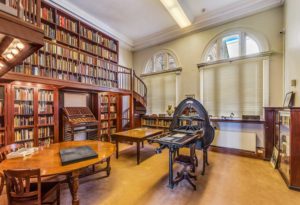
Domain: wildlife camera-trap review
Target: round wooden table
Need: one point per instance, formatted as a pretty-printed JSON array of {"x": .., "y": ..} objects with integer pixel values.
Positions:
[{"x": 47, "y": 159}]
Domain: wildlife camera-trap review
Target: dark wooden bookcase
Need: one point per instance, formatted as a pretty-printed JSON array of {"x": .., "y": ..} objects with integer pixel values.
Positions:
[{"x": 35, "y": 114}]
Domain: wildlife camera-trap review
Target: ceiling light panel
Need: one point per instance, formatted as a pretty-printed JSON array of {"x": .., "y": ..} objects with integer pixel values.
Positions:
[{"x": 176, "y": 12}]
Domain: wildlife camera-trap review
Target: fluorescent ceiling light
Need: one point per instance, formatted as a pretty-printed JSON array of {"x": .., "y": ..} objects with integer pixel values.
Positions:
[{"x": 176, "y": 12}]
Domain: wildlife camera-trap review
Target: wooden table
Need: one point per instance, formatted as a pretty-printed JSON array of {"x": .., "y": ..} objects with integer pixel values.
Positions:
[
  {"x": 138, "y": 135},
  {"x": 47, "y": 159}
]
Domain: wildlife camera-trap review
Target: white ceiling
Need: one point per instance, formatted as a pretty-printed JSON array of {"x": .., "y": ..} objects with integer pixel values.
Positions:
[{"x": 138, "y": 21}]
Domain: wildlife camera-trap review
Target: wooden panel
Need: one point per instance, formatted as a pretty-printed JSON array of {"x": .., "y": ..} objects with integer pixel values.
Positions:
[
  {"x": 269, "y": 132},
  {"x": 295, "y": 149}
]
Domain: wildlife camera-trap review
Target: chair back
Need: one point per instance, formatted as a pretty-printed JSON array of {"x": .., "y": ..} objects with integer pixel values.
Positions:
[
  {"x": 18, "y": 185},
  {"x": 8, "y": 149}
]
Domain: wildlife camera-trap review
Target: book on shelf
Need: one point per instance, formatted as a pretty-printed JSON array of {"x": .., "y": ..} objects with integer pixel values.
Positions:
[
  {"x": 45, "y": 96},
  {"x": 104, "y": 124},
  {"x": 46, "y": 120},
  {"x": 104, "y": 131},
  {"x": 91, "y": 48},
  {"x": 66, "y": 23},
  {"x": 48, "y": 31},
  {"x": 67, "y": 53},
  {"x": 104, "y": 116},
  {"x": 45, "y": 108},
  {"x": 23, "y": 109},
  {"x": 111, "y": 44},
  {"x": 23, "y": 134},
  {"x": 66, "y": 38},
  {"x": 24, "y": 94},
  {"x": 49, "y": 47},
  {"x": 23, "y": 121},
  {"x": 112, "y": 108},
  {"x": 45, "y": 141},
  {"x": 89, "y": 34},
  {"x": 47, "y": 14},
  {"x": 45, "y": 132}
]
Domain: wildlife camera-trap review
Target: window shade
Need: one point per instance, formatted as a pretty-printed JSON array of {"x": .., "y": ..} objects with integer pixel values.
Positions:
[
  {"x": 161, "y": 92},
  {"x": 234, "y": 88}
]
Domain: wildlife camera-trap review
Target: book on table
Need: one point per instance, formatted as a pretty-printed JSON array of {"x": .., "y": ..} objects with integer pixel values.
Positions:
[{"x": 76, "y": 154}]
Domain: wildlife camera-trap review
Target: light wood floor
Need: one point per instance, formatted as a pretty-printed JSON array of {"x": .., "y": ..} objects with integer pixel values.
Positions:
[{"x": 229, "y": 180}]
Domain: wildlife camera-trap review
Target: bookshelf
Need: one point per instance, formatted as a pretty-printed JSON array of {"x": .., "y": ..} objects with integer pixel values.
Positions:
[
  {"x": 157, "y": 122},
  {"x": 108, "y": 108},
  {"x": 2, "y": 115},
  {"x": 35, "y": 114}
]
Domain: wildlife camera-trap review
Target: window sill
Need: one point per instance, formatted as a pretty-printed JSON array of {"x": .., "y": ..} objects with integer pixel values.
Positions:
[
  {"x": 259, "y": 55},
  {"x": 175, "y": 70}
]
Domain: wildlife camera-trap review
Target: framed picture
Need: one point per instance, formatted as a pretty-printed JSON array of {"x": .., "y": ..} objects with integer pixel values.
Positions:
[
  {"x": 274, "y": 158},
  {"x": 289, "y": 99}
]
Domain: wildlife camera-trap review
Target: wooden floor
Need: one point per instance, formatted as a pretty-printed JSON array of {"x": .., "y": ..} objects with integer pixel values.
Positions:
[{"x": 230, "y": 180}]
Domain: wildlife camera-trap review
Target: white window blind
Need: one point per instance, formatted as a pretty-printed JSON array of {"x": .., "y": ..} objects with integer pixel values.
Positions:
[
  {"x": 161, "y": 92},
  {"x": 235, "y": 87}
]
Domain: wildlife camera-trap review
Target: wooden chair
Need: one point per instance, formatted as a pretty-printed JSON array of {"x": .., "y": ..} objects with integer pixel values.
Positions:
[
  {"x": 8, "y": 149},
  {"x": 25, "y": 187}
]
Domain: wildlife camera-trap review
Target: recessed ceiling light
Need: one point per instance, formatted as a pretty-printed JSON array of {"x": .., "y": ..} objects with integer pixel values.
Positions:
[
  {"x": 20, "y": 45},
  {"x": 9, "y": 56},
  {"x": 176, "y": 12},
  {"x": 15, "y": 51}
]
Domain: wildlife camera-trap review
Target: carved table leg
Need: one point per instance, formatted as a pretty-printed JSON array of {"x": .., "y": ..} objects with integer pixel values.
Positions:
[
  {"x": 171, "y": 182},
  {"x": 138, "y": 149},
  {"x": 117, "y": 148},
  {"x": 73, "y": 182}
]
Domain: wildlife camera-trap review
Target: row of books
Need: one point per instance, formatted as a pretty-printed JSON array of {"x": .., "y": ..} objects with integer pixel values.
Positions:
[
  {"x": 104, "y": 108},
  {"x": 111, "y": 44},
  {"x": 23, "y": 134},
  {"x": 32, "y": 60},
  {"x": 91, "y": 48},
  {"x": 45, "y": 141},
  {"x": 104, "y": 124},
  {"x": 164, "y": 123},
  {"x": 47, "y": 61},
  {"x": 43, "y": 120},
  {"x": 103, "y": 99},
  {"x": 23, "y": 121},
  {"x": 109, "y": 55},
  {"x": 113, "y": 115},
  {"x": 113, "y": 130},
  {"x": 113, "y": 99},
  {"x": 49, "y": 47},
  {"x": 87, "y": 59},
  {"x": 66, "y": 23},
  {"x": 89, "y": 34},
  {"x": 48, "y": 31},
  {"x": 24, "y": 94},
  {"x": 44, "y": 132},
  {"x": 1, "y": 107},
  {"x": 45, "y": 108},
  {"x": 104, "y": 132},
  {"x": 112, "y": 108},
  {"x": 23, "y": 109},
  {"x": 67, "y": 53},
  {"x": 47, "y": 14},
  {"x": 46, "y": 96},
  {"x": 151, "y": 122},
  {"x": 104, "y": 116},
  {"x": 2, "y": 136},
  {"x": 66, "y": 38}
]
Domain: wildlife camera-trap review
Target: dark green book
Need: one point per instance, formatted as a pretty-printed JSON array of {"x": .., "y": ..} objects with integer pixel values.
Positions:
[{"x": 77, "y": 154}]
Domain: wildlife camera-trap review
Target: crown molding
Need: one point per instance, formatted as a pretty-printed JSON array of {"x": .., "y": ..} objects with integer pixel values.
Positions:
[
  {"x": 208, "y": 20},
  {"x": 87, "y": 18}
]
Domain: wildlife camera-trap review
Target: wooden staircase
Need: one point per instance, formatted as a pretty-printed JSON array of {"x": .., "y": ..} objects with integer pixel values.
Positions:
[{"x": 140, "y": 99}]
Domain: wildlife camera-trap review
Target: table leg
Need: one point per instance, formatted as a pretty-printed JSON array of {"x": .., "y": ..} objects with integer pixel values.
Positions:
[
  {"x": 117, "y": 148},
  {"x": 73, "y": 182},
  {"x": 142, "y": 144},
  {"x": 138, "y": 151},
  {"x": 171, "y": 183}
]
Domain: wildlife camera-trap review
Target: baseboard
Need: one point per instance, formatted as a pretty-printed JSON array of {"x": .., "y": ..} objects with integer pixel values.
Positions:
[{"x": 256, "y": 155}]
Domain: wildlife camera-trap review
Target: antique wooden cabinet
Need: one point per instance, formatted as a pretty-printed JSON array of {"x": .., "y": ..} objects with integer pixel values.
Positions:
[{"x": 282, "y": 130}]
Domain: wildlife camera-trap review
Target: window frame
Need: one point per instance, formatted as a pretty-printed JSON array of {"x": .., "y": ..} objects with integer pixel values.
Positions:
[
  {"x": 262, "y": 45},
  {"x": 152, "y": 60}
]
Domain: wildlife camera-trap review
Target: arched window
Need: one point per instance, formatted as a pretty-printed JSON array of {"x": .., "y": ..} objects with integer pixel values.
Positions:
[
  {"x": 161, "y": 61},
  {"x": 232, "y": 45},
  {"x": 233, "y": 74}
]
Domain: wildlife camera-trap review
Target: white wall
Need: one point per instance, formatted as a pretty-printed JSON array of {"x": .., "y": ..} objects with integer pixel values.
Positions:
[
  {"x": 292, "y": 47},
  {"x": 190, "y": 48},
  {"x": 125, "y": 57}
]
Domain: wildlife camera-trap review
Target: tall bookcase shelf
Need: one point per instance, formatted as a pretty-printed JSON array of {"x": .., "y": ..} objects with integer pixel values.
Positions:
[
  {"x": 2, "y": 115},
  {"x": 35, "y": 114},
  {"x": 108, "y": 107}
]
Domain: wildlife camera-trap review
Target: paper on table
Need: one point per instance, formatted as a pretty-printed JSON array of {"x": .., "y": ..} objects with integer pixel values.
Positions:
[{"x": 179, "y": 135}]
